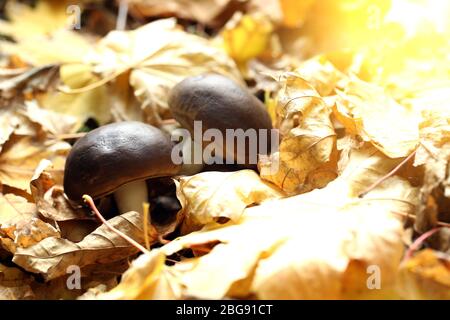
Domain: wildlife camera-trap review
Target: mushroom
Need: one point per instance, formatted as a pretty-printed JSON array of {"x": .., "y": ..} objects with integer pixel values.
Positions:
[
  {"x": 118, "y": 158},
  {"x": 221, "y": 103}
]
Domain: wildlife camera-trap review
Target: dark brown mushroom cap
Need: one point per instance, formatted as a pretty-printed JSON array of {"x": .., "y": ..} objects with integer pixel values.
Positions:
[
  {"x": 115, "y": 154},
  {"x": 219, "y": 103}
]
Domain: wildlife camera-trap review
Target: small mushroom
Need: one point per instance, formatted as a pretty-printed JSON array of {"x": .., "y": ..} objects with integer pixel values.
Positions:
[
  {"x": 220, "y": 103},
  {"x": 118, "y": 158}
]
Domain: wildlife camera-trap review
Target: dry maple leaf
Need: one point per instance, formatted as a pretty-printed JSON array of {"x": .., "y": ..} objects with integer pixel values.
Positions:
[
  {"x": 308, "y": 139},
  {"x": 212, "y": 197}
]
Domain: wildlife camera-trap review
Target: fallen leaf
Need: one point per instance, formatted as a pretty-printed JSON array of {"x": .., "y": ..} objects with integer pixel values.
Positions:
[
  {"x": 22, "y": 154},
  {"x": 245, "y": 37},
  {"x": 15, "y": 208},
  {"x": 147, "y": 278},
  {"x": 295, "y": 12},
  {"x": 216, "y": 197},
  {"x": 304, "y": 247},
  {"x": 52, "y": 256},
  {"x": 14, "y": 284},
  {"x": 46, "y": 23},
  {"x": 366, "y": 110},
  {"x": 426, "y": 276},
  {"x": 48, "y": 194},
  {"x": 157, "y": 65},
  {"x": 204, "y": 11},
  {"x": 308, "y": 139},
  {"x": 94, "y": 103},
  {"x": 51, "y": 122}
]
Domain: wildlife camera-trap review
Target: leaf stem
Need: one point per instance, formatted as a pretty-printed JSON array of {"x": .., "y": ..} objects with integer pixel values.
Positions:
[
  {"x": 418, "y": 242},
  {"x": 390, "y": 174}
]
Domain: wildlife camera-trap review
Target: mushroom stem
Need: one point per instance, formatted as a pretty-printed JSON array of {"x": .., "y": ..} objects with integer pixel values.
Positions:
[
  {"x": 192, "y": 151},
  {"x": 131, "y": 196}
]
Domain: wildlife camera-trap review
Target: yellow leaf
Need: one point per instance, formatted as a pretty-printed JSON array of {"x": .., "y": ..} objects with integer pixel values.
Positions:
[
  {"x": 212, "y": 197},
  {"x": 365, "y": 109},
  {"x": 21, "y": 156},
  {"x": 147, "y": 278},
  {"x": 318, "y": 245},
  {"x": 246, "y": 36},
  {"x": 426, "y": 276},
  {"x": 45, "y": 24},
  {"x": 156, "y": 66},
  {"x": 94, "y": 103},
  {"x": 295, "y": 11},
  {"x": 304, "y": 160}
]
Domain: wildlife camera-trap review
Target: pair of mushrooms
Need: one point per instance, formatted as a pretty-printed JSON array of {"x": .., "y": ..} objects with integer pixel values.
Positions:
[{"x": 118, "y": 158}]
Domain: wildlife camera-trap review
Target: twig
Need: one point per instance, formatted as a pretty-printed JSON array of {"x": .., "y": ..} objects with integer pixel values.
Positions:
[
  {"x": 69, "y": 136},
  {"x": 418, "y": 242},
  {"x": 390, "y": 174},
  {"x": 91, "y": 204},
  {"x": 438, "y": 223},
  {"x": 146, "y": 213}
]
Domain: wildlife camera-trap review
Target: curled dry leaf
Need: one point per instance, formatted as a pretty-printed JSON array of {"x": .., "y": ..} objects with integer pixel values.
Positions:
[
  {"x": 48, "y": 194},
  {"x": 51, "y": 122},
  {"x": 433, "y": 154},
  {"x": 305, "y": 158},
  {"x": 52, "y": 256},
  {"x": 425, "y": 276},
  {"x": 321, "y": 74},
  {"x": 156, "y": 66},
  {"x": 15, "y": 208},
  {"x": 212, "y": 197},
  {"x": 20, "y": 225}
]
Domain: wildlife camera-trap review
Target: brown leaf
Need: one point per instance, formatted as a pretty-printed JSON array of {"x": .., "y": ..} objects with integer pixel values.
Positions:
[
  {"x": 204, "y": 11},
  {"x": 48, "y": 194},
  {"x": 52, "y": 256}
]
